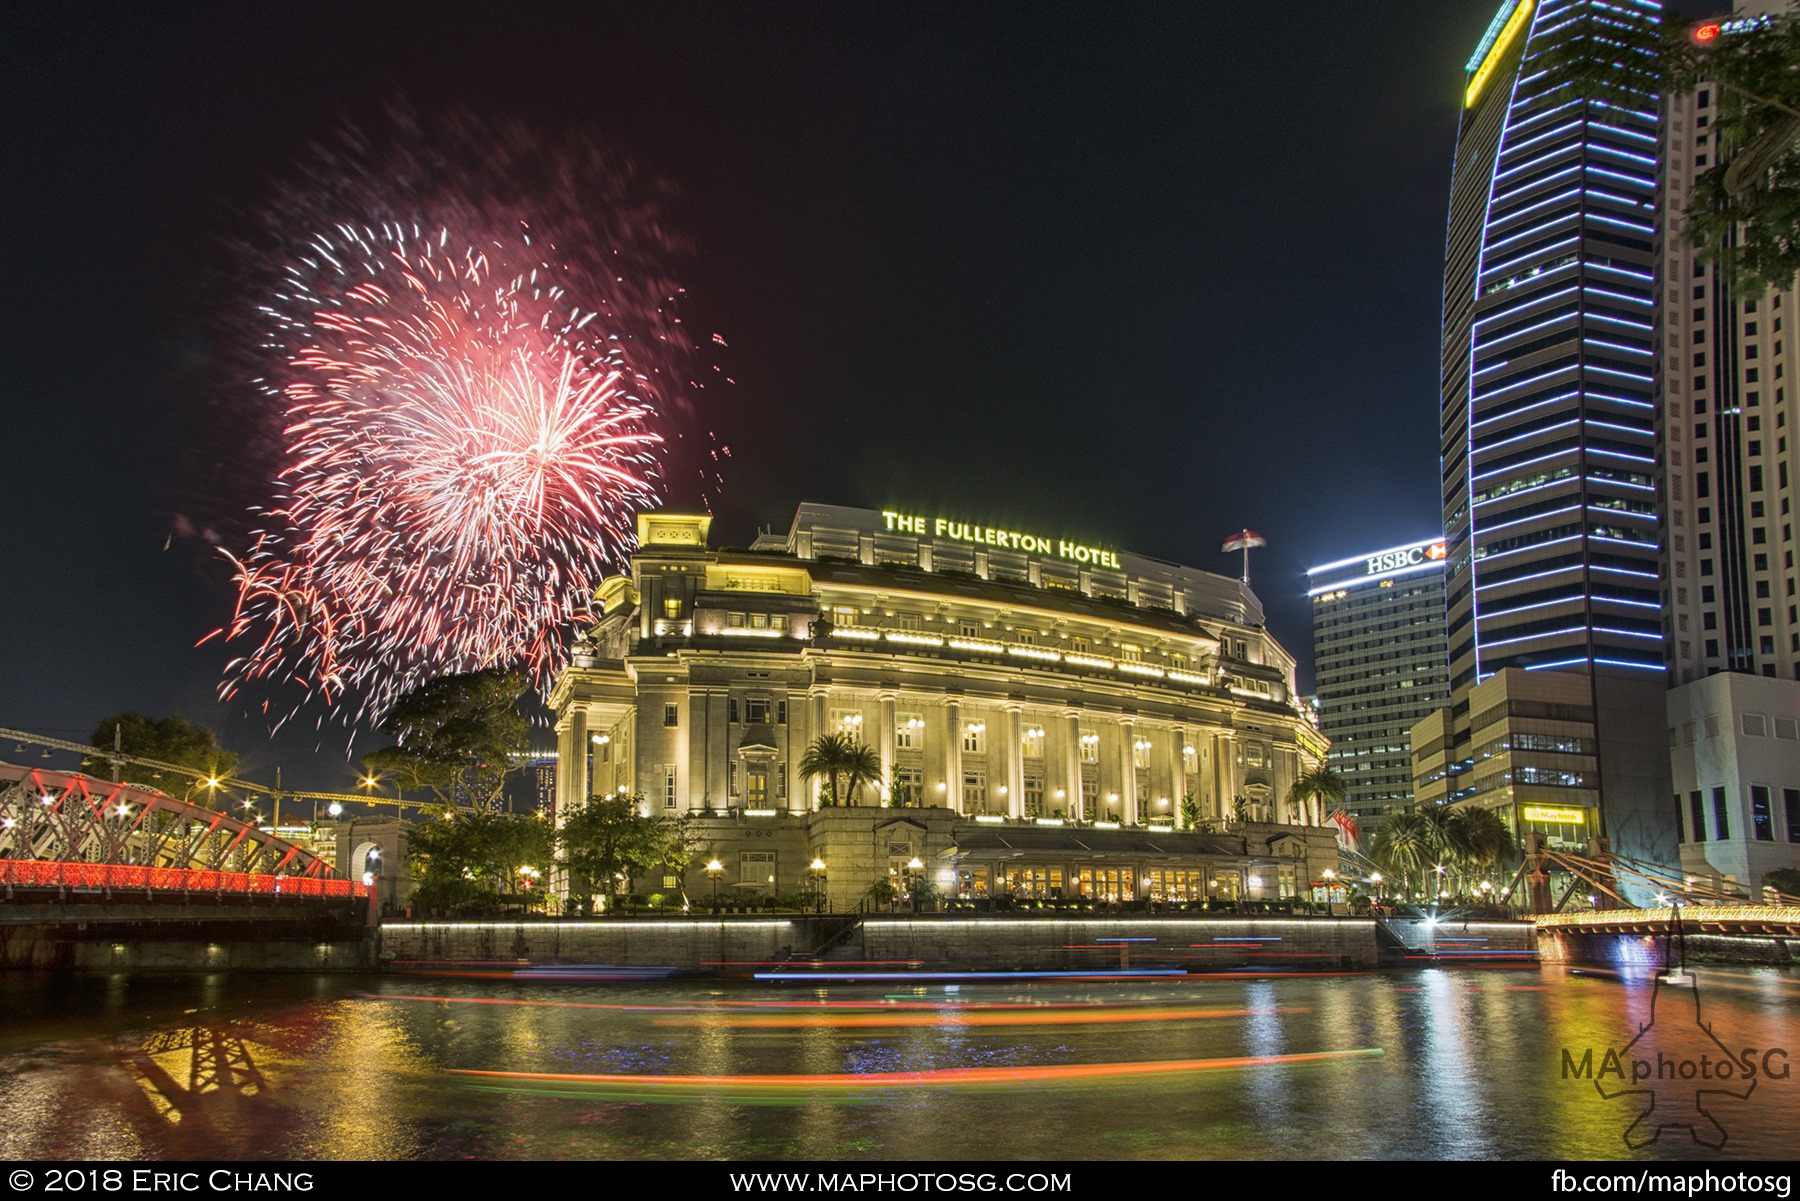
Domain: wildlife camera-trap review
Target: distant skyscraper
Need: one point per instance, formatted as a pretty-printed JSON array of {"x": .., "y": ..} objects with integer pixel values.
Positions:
[
  {"x": 1548, "y": 410},
  {"x": 1729, "y": 409},
  {"x": 1381, "y": 664}
]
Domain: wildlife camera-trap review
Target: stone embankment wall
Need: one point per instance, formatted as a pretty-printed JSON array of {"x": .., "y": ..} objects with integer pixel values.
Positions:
[{"x": 735, "y": 945}]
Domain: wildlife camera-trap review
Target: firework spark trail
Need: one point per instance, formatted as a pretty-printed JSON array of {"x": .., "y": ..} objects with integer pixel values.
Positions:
[{"x": 474, "y": 391}]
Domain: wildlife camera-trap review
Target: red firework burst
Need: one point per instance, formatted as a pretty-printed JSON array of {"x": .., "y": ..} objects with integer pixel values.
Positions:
[{"x": 472, "y": 377}]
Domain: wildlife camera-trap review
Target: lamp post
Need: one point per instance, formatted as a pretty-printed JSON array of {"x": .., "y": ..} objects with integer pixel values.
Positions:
[
  {"x": 714, "y": 870},
  {"x": 914, "y": 870},
  {"x": 816, "y": 871}
]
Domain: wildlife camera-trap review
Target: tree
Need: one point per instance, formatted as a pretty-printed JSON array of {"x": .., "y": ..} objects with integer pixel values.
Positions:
[
  {"x": 1405, "y": 846},
  {"x": 609, "y": 840},
  {"x": 1744, "y": 212},
  {"x": 1744, "y": 209},
  {"x": 840, "y": 757},
  {"x": 458, "y": 736},
  {"x": 174, "y": 741},
  {"x": 1482, "y": 838},
  {"x": 1313, "y": 790},
  {"x": 460, "y": 858}
]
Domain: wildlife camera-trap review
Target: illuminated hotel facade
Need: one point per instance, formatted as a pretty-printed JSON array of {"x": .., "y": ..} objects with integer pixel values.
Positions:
[
  {"x": 1381, "y": 664},
  {"x": 1548, "y": 412},
  {"x": 1051, "y": 717},
  {"x": 1729, "y": 410}
]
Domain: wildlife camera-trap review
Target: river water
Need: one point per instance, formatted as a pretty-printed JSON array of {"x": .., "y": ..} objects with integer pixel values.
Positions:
[{"x": 1437, "y": 1063}]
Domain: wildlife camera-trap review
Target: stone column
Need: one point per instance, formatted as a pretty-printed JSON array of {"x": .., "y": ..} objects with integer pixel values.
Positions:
[
  {"x": 1070, "y": 754},
  {"x": 571, "y": 763},
  {"x": 886, "y": 746},
  {"x": 1128, "y": 806},
  {"x": 717, "y": 743},
  {"x": 1178, "y": 747},
  {"x": 800, "y": 733},
  {"x": 820, "y": 716},
  {"x": 1014, "y": 764},
  {"x": 1224, "y": 775},
  {"x": 953, "y": 780}
]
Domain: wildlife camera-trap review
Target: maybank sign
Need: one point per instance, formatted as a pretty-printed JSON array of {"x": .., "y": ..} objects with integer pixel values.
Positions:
[{"x": 987, "y": 535}]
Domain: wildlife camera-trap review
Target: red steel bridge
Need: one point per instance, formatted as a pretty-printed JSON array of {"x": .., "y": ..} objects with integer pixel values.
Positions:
[{"x": 63, "y": 831}]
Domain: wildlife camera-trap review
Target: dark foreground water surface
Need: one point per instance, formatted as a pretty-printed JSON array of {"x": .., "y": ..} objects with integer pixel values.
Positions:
[{"x": 1464, "y": 1063}]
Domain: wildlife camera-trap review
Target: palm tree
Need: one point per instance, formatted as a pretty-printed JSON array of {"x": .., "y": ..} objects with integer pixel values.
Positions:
[
  {"x": 1482, "y": 837},
  {"x": 1313, "y": 790},
  {"x": 839, "y": 757},
  {"x": 1405, "y": 845}
]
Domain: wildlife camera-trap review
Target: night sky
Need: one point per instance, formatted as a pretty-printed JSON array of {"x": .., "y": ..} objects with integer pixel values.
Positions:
[{"x": 1146, "y": 274}]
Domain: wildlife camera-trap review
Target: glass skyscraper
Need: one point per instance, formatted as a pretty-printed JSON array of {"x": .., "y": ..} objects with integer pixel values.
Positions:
[
  {"x": 1548, "y": 410},
  {"x": 1549, "y": 441}
]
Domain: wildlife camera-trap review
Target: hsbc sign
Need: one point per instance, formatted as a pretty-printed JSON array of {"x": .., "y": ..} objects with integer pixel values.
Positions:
[
  {"x": 1399, "y": 560},
  {"x": 1370, "y": 569}
]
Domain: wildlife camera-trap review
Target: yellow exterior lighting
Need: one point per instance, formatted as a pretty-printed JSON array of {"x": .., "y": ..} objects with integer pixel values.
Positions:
[{"x": 1521, "y": 15}]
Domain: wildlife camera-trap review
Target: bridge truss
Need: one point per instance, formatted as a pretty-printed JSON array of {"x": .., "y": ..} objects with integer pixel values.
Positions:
[{"x": 60, "y": 829}]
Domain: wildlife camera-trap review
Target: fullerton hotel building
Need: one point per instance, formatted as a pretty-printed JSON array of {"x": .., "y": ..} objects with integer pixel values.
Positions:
[{"x": 1050, "y": 717}]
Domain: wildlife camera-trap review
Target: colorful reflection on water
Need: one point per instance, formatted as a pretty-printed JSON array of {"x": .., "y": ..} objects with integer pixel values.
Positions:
[{"x": 1434, "y": 1063}]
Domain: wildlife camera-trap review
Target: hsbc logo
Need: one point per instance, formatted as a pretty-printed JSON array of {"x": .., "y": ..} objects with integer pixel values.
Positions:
[{"x": 1399, "y": 560}]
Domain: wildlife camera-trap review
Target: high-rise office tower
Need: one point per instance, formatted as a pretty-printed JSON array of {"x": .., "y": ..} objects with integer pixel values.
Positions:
[
  {"x": 1378, "y": 646},
  {"x": 1548, "y": 409},
  {"x": 1729, "y": 412}
]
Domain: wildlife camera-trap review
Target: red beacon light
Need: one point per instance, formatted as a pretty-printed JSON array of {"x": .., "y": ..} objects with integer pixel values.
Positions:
[{"x": 1706, "y": 31}]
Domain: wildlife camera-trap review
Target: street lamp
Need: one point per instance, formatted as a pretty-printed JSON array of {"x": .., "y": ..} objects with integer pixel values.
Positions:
[
  {"x": 816, "y": 870},
  {"x": 914, "y": 870},
  {"x": 714, "y": 870}
]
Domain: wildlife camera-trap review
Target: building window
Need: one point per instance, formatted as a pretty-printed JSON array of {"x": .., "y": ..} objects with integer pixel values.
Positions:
[
  {"x": 756, "y": 712},
  {"x": 1034, "y": 795},
  {"x": 974, "y": 792},
  {"x": 759, "y": 621},
  {"x": 1790, "y": 802},
  {"x": 969, "y": 629},
  {"x": 668, "y": 775},
  {"x": 1721, "y": 821},
  {"x": 1762, "y": 821},
  {"x": 1680, "y": 826},
  {"x": 758, "y": 868},
  {"x": 1031, "y": 743},
  {"x": 671, "y": 715},
  {"x": 1090, "y": 747},
  {"x": 975, "y": 738},
  {"x": 845, "y": 615},
  {"x": 1081, "y": 646},
  {"x": 1025, "y": 637},
  {"x": 909, "y": 732},
  {"x": 672, "y": 608},
  {"x": 731, "y": 710},
  {"x": 1696, "y": 815},
  {"x": 909, "y": 787},
  {"x": 847, "y": 721},
  {"x": 1140, "y": 752},
  {"x": 756, "y": 786},
  {"x": 734, "y": 621},
  {"x": 909, "y": 621},
  {"x": 781, "y": 713},
  {"x": 1130, "y": 654}
]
